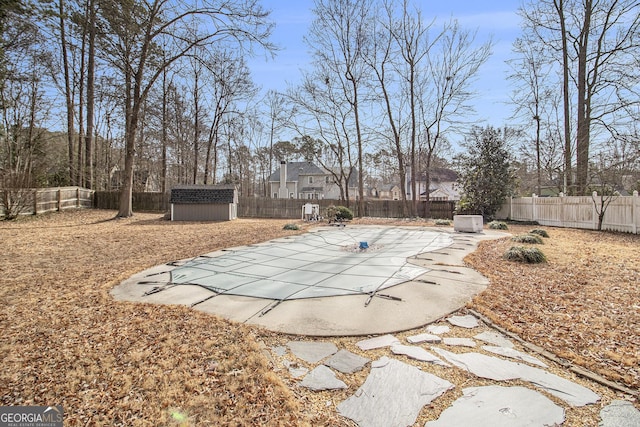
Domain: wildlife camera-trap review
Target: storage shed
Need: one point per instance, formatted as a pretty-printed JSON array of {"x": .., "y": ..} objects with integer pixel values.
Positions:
[{"x": 204, "y": 203}]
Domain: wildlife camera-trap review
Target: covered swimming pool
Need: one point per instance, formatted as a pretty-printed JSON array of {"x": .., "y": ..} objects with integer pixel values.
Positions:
[{"x": 327, "y": 262}]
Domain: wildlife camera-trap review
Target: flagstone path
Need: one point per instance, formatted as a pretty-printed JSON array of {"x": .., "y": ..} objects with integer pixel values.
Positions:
[{"x": 522, "y": 390}]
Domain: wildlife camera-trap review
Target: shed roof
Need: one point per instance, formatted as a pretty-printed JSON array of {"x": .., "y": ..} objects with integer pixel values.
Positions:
[{"x": 203, "y": 194}]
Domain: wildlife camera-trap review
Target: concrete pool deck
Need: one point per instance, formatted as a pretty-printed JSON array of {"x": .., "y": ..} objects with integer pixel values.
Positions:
[{"x": 429, "y": 283}]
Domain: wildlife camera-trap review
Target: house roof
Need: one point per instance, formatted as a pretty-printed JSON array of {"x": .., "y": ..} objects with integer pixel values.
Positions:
[
  {"x": 353, "y": 179},
  {"x": 440, "y": 175},
  {"x": 203, "y": 194},
  {"x": 295, "y": 169}
]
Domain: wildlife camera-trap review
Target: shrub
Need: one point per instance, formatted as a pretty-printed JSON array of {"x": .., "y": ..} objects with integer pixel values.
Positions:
[
  {"x": 442, "y": 222},
  {"x": 540, "y": 232},
  {"x": 532, "y": 239},
  {"x": 291, "y": 227},
  {"x": 339, "y": 213},
  {"x": 498, "y": 225},
  {"x": 528, "y": 255}
]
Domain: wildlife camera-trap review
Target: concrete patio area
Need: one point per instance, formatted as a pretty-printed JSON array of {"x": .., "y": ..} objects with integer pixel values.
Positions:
[{"x": 331, "y": 281}]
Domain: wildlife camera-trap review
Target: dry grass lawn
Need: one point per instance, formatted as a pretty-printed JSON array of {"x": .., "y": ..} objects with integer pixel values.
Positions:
[
  {"x": 65, "y": 341},
  {"x": 583, "y": 304}
]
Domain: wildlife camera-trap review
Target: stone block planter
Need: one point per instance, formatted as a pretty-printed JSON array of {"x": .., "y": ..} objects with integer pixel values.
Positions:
[{"x": 467, "y": 223}]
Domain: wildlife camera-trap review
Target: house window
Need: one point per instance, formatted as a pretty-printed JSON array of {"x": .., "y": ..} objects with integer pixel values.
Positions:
[
  {"x": 291, "y": 195},
  {"x": 275, "y": 195},
  {"x": 310, "y": 196},
  {"x": 326, "y": 179},
  {"x": 310, "y": 180}
]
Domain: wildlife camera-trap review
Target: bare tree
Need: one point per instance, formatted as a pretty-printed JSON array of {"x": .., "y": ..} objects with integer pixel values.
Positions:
[
  {"x": 614, "y": 162},
  {"x": 324, "y": 123},
  {"x": 598, "y": 42},
  {"x": 68, "y": 87},
  {"x": 530, "y": 73},
  {"x": 434, "y": 71},
  {"x": 381, "y": 59},
  {"x": 445, "y": 89},
  {"x": 23, "y": 109},
  {"x": 338, "y": 38},
  {"x": 413, "y": 43},
  {"x": 278, "y": 117},
  {"x": 228, "y": 84},
  {"x": 134, "y": 31},
  {"x": 91, "y": 69}
]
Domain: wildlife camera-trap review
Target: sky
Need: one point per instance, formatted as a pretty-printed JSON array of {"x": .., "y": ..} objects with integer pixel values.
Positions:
[{"x": 497, "y": 19}]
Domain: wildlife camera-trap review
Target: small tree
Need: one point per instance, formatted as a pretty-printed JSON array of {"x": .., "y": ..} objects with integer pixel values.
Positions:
[
  {"x": 485, "y": 173},
  {"x": 607, "y": 175}
]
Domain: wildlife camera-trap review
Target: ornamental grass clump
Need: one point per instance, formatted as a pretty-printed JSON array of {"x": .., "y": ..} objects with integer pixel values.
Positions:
[
  {"x": 498, "y": 225},
  {"x": 532, "y": 239},
  {"x": 525, "y": 254},
  {"x": 442, "y": 222},
  {"x": 540, "y": 232},
  {"x": 291, "y": 227}
]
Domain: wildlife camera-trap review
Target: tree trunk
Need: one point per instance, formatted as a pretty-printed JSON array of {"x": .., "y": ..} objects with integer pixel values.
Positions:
[
  {"x": 568, "y": 178},
  {"x": 81, "y": 134},
  {"x": 538, "y": 162},
  {"x": 165, "y": 119},
  {"x": 582, "y": 142},
  {"x": 90, "y": 97},
  {"x": 67, "y": 91},
  {"x": 396, "y": 138},
  {"x": 356, "y": 111},
  {"x": 427, "y": 206},
  {"x": 131, "y": 124},
  {"x": 412, "y": 102},
  {"x": 196, "y": 136}
]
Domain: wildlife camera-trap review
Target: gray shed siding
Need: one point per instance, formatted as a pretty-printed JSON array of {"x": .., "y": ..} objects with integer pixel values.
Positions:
[
  {"x": 204, "y": 212},
  {"x": 204, "y": 203}
]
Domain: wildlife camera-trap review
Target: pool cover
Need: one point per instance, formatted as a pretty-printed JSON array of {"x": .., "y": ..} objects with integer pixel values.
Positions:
[{"x": 327, "y": 262}]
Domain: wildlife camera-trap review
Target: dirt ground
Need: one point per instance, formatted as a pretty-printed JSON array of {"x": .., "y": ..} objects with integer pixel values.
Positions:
[{"x": 63, "y": 340}]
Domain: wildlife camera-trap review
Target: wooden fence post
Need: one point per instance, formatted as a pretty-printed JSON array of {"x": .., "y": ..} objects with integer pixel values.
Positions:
[
  {"x": 563, "y": 211},
  {"x": 635, "y": 212},
  {"x": 59, "y": 199},
  {"x": 35, "y": 201},
  {"x": 594, "y": 197}
]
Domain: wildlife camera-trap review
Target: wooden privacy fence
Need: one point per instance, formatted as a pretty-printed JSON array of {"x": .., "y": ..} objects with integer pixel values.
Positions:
[
  {"x": 41, "y": 200},
  {"x": 260, "y": 207},
  {"x": 622, "y": 214},
  {"x": 141, "y": 202},
  {"x": 292, "y": 208}
]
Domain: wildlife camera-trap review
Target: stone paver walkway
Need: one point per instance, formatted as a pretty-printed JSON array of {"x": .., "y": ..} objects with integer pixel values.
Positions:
[{"x": 398, "y": 385}]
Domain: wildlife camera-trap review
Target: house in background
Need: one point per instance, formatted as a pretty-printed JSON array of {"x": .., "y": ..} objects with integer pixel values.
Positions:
[
  {"x": 388, "y": 192},
  {"x": 305, "y": 180},
  {"x": 443, "y": 185},
  {"x": 332, "y": 190},
  {"x": 297, "y": 180}
]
